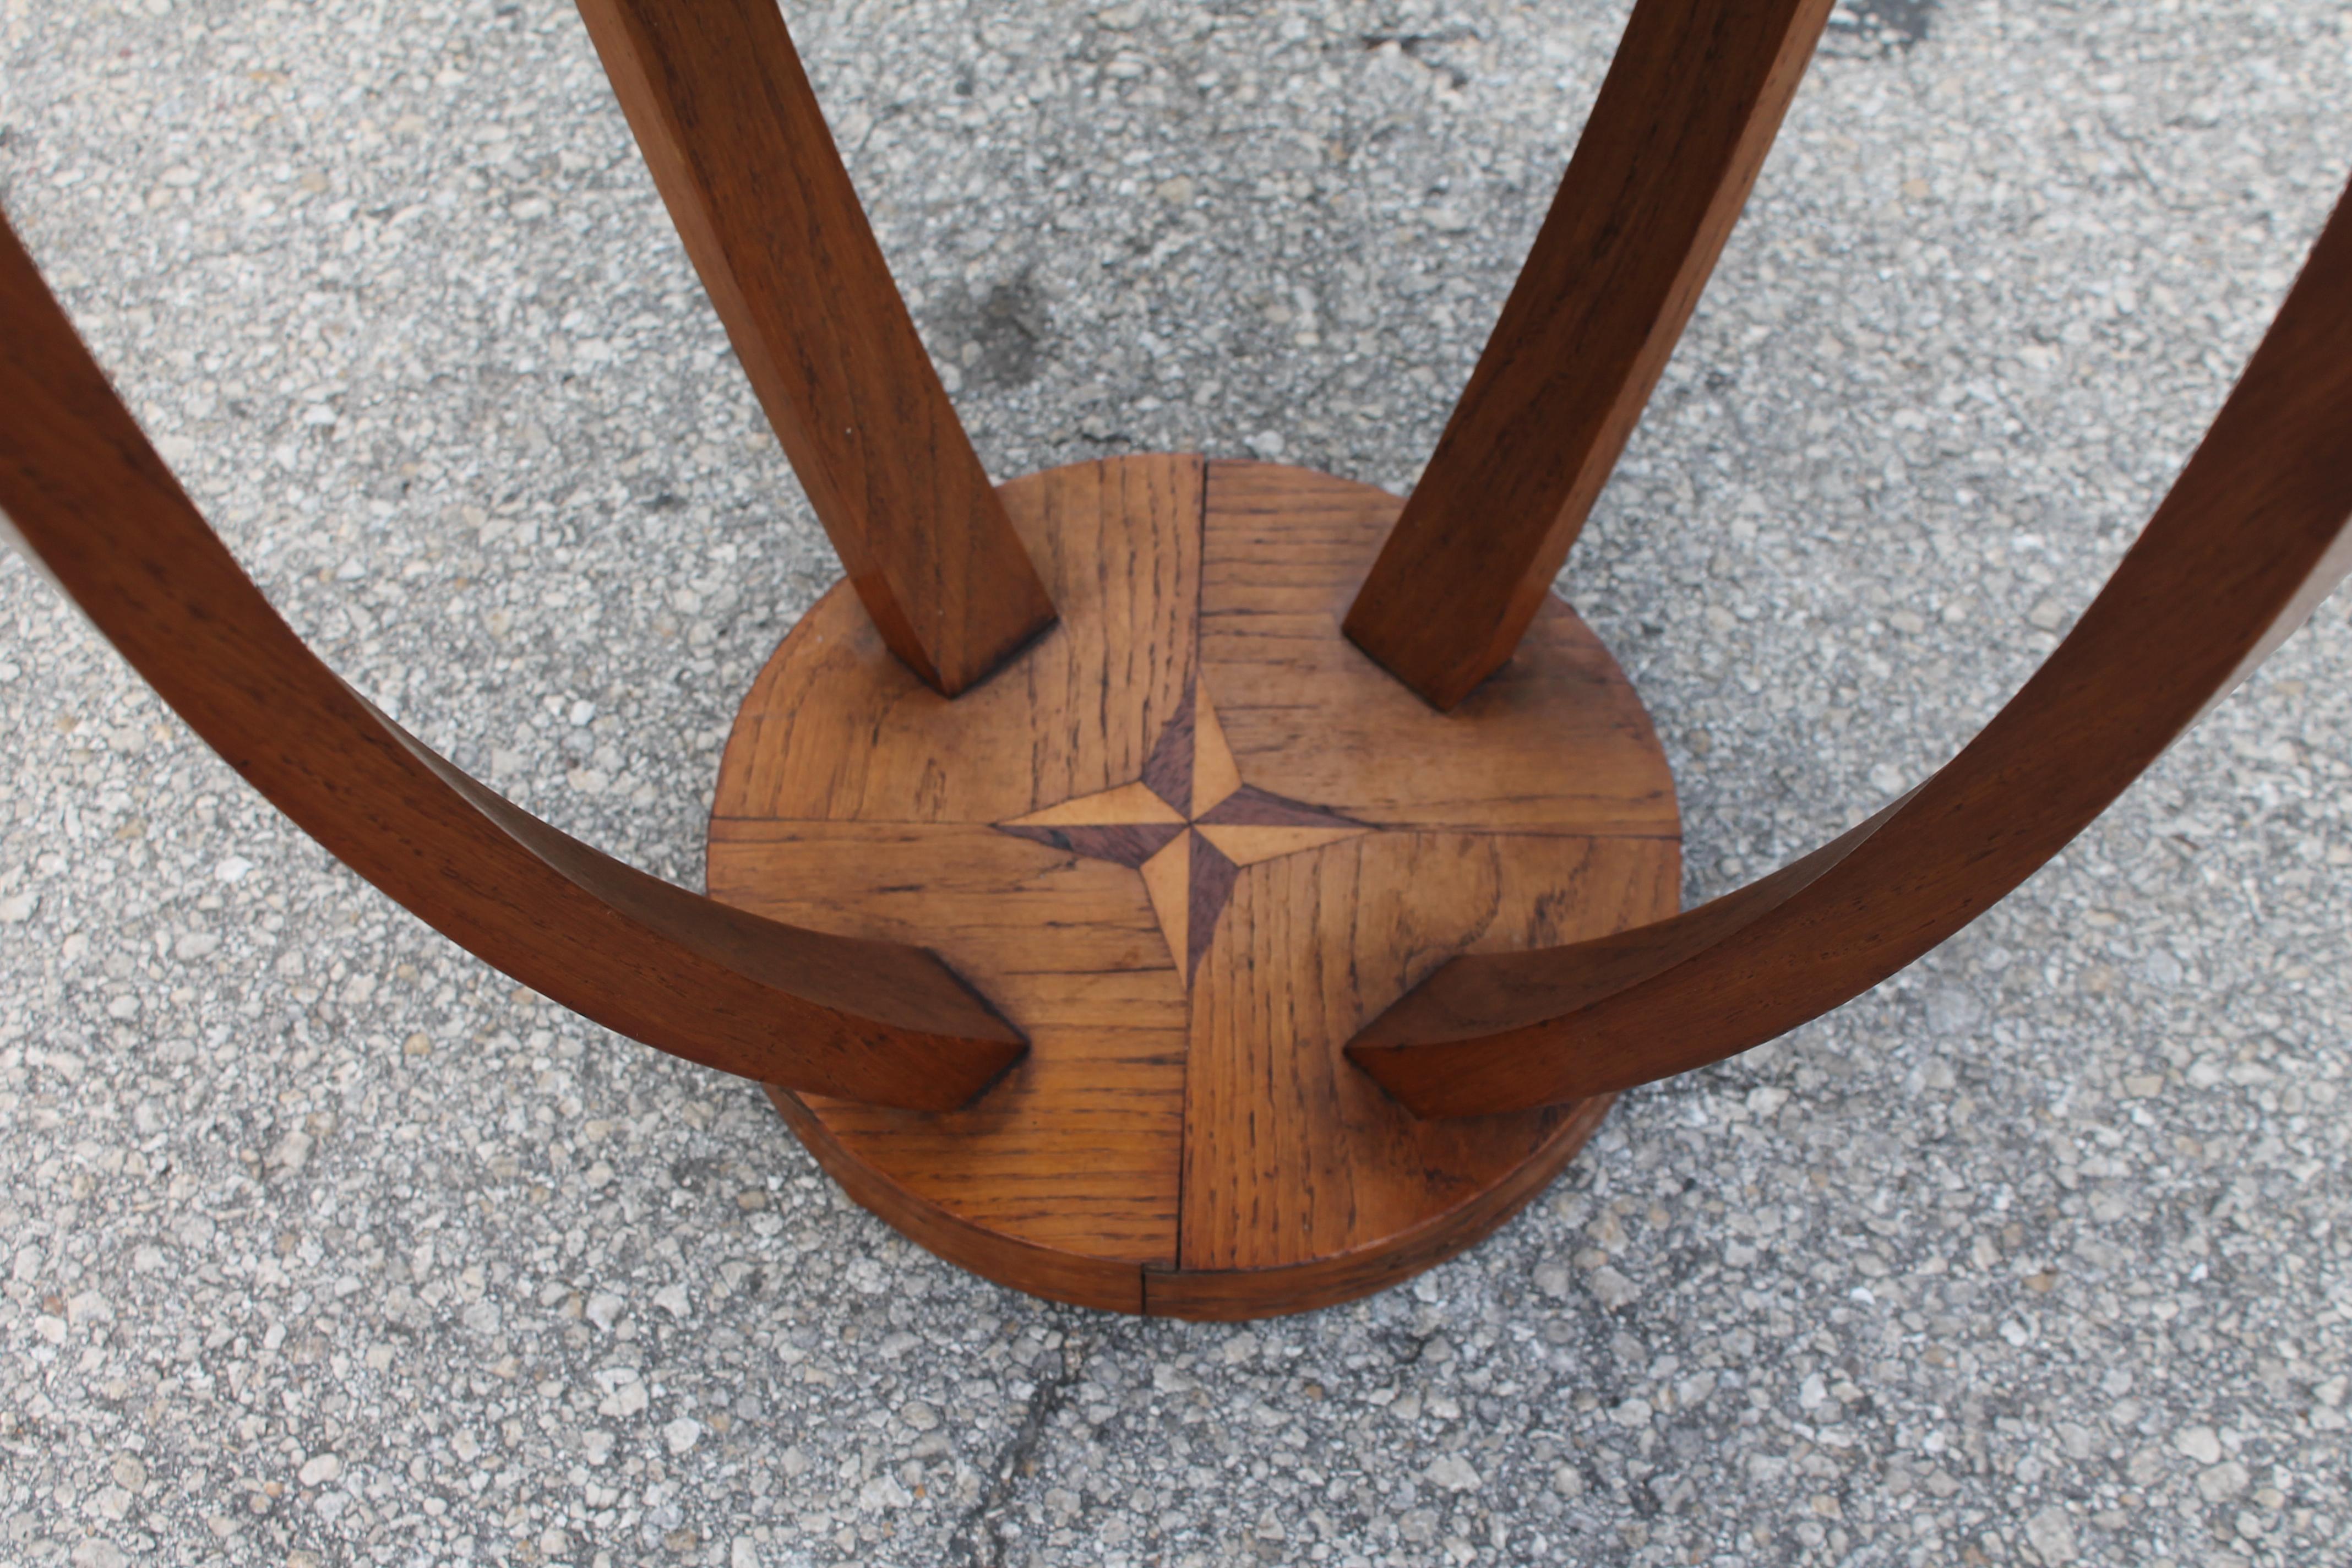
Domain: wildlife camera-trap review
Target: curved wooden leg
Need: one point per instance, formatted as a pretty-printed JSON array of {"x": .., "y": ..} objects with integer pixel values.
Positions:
[
  {"x": 740, "y": 152},
  {"x": 1679, "y": 130},
  {"x": 95, "y": 506},
  {"x": 2253, "y": 534}
]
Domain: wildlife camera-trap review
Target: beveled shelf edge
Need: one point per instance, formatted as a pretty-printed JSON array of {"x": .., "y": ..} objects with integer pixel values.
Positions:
[{"x": 1200, "y": 1295}]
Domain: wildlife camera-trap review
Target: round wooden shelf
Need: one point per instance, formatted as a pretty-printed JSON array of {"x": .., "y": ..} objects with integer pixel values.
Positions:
[{"x": 1189, "y": 841}]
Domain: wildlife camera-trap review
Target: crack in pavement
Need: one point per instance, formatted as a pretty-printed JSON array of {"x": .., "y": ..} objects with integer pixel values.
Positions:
[{"x": 977, "y": 1538}]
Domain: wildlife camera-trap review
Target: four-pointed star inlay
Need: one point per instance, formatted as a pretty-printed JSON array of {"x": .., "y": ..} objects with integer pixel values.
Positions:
[{"x": 1187, "y": 825}]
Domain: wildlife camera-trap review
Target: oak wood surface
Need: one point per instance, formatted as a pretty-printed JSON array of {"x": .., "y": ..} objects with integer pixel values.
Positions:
[
  {"x": 1083, "y": 1278},
  {"x": 97, "y": 510},
  {"x": 1292, "y": 1156},
  {"x": 1566, "y": 744},
  {"x": 1019, "y": 743},
  {"x": 1672, "y": 145},
  {"x": 1238, "y": 1294},
  {"x": 739, "y": 151},
  {"x": 1079, "y": 1149},
  {"x": 1189, "y": 840},
  {"x": 2256, "y": 530}
]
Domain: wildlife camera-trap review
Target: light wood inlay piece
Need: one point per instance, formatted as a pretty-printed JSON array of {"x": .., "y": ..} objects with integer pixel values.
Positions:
[
  {"x": 1130, "y": 803},
  {"x": 1215, "y": 775},
  {"x": 1168, "y": 879},
  {"x": 1143, "y": 855},
  {"x": 1248, "y": 846}
]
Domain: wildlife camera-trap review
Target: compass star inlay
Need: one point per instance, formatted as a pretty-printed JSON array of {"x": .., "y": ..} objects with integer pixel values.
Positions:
[
  {"x": 1190, "y": 907},
  {"x": 1187, "y": 825}
]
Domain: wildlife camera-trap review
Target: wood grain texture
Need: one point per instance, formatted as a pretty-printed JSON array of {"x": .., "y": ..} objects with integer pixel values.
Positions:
[
  {"x": 2256, "y": 530},
  {"x": 898, "y": 751},
  {"x": 1290, "y": 1155},
  {"x": 1078, "y": 1147},
  {"x": 1120, "y": 839},
  {"x": 1240, "y": 1294},
  {"x": 1565, "y": 745},
  {"x": 95, "y": 506},
  {"x": 1675, "y": 139},
  {"x": 1057, "y": 1273},
  {"x": 739, "y": 151}
]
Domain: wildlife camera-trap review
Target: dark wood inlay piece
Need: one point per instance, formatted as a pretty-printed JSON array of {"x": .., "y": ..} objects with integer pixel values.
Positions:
[
  {"x": 1210, "y": 886},
  {"x": 1168, "y": 772},
  {"x": 1124, "y": 844},
  {"x": 1250, "y": 806}
]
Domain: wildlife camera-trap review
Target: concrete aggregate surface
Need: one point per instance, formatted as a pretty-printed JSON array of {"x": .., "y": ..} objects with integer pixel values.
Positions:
[{"x": 324, "y": 1244}]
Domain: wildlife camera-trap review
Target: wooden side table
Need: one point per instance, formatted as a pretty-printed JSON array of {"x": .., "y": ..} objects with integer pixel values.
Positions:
[{"x": 1189, "y": 887}]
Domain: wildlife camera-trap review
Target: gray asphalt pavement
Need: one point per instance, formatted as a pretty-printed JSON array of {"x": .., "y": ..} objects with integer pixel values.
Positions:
[{"x": 324, "y": 1244}]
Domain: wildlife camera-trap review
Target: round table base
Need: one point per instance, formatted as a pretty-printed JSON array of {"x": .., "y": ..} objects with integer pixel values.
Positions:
[{"x": 1189, "y": 842}]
